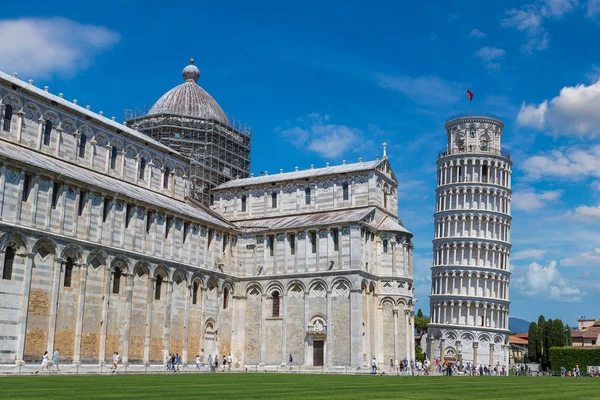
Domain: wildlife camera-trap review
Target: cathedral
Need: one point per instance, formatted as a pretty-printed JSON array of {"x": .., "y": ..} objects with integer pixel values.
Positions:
[{"x": 152, "y": 237}]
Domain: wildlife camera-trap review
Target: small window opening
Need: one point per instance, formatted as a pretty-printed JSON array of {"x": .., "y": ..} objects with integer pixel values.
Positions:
[
  {"x": 9, "y": 259},
  {"x": 128, "y": 215},
  {"x": 8, "y": 112},
  {"x": 345, "y": 191},
  {"x": 55, "y": 193},
  {"x": 225, "y": 298},
  {"x": 142, "y": 172},
  {"x": 274, "y": 200},
  {"x": 114, "y": 152},
  {"x": 292, "y": 240},
  {"x": 26, "y": 187},
  {"x": 149, "y": 220},
  {"x": 195, "y": 293},
  {"x": 276, "y": 302},
  {"x": 307, "y": 198},
  {"x": 186, "y": 229},
  {"x": 335, "y": 237},
  {"x": 82, "y": 142},
  {"x": 225, "y": 242},
  {"x": 385, "y": 246},
  {"x": 271, "y": 244},
  {"x": 106, "y": 210},
  {"x": 211, "y": 234},
  {"x": 116, "y": 281},
  {"x": 166, "y": 178},
  {"x": 168, "y": 224},
  {"x": 81, "y": 205},
  {"x": 243, "y": 203},
  {"x": 68, "y": 271},
  {"x": 47, "y": 132},
  {"x": 158, "y": 287},
  {"x": 313, "y": 242}
]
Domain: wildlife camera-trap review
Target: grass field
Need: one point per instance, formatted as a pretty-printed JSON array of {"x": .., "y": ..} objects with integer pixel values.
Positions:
[{"x": 273, "y": 386}]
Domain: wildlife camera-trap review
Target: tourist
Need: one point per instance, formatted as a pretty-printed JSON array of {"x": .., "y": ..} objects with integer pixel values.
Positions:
[
  {"x": 177, "y": 361},
  {"x": 115, "y": 361},
  {"x": 391, "y": 365},
  {"x": 44, "y": 362},
  {"x": 173, "y": 363},
  {"x": 168, "y": 363},
  {"x": 216, "y": 363},
  {"x": 229, "y": 362},
  {"x": 291, "y": 359},
  {"x": 55, "y": 358},
  {"x": 197, "y": 361},
  {"x": 210, "y": 361},
  {"x": 373, "y": 366},
  {"x": 224, "y": 361}
]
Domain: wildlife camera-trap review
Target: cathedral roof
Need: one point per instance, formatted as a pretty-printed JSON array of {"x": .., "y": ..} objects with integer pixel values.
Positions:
[
  {"x": 106, "y": 183},
  {"x": 101, "y": 120},
  {"x": 313, "y": 219},
  {"x": 307, "y": 173},
  {"x": 390, "y": 224},
  {"x": 189, "y": 99}
]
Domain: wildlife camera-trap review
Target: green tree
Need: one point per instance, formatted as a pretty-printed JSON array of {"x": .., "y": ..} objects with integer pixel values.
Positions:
[
  {"x": 558, "y": 333},
  {"x": 421, "y": 322},
  {"x": 540, "y": 338},
  {"x": 420, "y": 354},
  {"x": 569, "y": 339},
  {"x": 532, "y": 346},
  {"x": 548, "y": 337}
]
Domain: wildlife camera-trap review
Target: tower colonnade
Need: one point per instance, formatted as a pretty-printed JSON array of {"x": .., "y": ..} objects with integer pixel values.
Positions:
[{"x": 470, "y": 273}]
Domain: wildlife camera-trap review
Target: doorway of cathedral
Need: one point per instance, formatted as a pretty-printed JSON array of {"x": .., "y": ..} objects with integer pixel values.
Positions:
[{"x": 318, "y": 349}]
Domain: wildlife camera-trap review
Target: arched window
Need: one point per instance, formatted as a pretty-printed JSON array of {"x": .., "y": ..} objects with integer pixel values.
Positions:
[
  {"x": 345, "y": 191},
  {"x": 195, "y": 293},
  {"x": 166, "y": 178},
  {"x": 82, "y": 142},
  {"x": 47, "y": 132},
  {"x": 243, "y": 203},
  {"x": 8, "y": 112},
  {"x": 68, "y": 271},
  {"x": 9, "y": 259},
  {"x": 225, "y": 298},
  {"x": 157, "y": 287},
  {"x": 276, "y": 302},
  {"x": 274, "y": 200},
  {"x": 307, "y": 198},
  {"x": 117, "y": 281},
  {"x": 142, "y": 173},
  {"x": 114, "y": 152},
  {"x": 385, "y": 246},
  {"x": 472, "y": 132}
]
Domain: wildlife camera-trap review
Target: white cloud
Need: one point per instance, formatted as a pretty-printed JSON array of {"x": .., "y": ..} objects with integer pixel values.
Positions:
[
  {"x": 571, "y": 163},
  {"x": 530, "y": 19},
  {"x": 587, "y": 259},
  {"x": 529, "y": 199},
  {"x": 315, "y": 133},
  {"x": 574, "y": 112},
  {"x": 429, "y": 90},
  {"x": 532, "y": 116},
  {"x": 527, "y": 254},
  {"x": 586, "y": 213},
  {"x": 41, "y": 47},
  {"x": 476, "y": 33},
  {"x": 593, "y": 8},
  {"x": 538, "y": 281},
  {"x": 490, "y": 57}
]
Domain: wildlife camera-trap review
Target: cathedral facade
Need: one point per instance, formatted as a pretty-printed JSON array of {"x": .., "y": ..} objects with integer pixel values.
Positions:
[{"x": 104, "y": 247}]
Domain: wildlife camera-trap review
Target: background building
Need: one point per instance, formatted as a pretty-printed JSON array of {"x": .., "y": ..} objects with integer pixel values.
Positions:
[
  {"x": 104, "y": 248},
  {"x": 471, "y": 245}
]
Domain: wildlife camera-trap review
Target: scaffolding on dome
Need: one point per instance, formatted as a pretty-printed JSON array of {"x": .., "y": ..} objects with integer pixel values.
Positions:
[{"x": 217, "y": 152}]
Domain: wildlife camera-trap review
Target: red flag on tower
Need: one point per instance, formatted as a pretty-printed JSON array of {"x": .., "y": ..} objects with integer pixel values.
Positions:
[{"x": 470, "y": 95}]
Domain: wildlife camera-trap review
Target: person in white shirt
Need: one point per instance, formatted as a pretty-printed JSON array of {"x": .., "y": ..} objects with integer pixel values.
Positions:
[
  {"x": 198, "y": 361},
  {"x": 115, "y": 361},
  {"x": 229, "y": 361},
  {"x": 45, "y": 361}
]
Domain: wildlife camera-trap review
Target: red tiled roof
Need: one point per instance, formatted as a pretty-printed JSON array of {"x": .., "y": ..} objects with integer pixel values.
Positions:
[{"x": 517, "y": 340}]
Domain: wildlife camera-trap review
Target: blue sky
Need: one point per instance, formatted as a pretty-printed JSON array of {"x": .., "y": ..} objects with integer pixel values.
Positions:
[{"x": 330, "y": 81}]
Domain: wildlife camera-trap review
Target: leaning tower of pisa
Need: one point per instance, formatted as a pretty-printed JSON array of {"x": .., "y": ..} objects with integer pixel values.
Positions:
[{"x": 471, "y": 246}]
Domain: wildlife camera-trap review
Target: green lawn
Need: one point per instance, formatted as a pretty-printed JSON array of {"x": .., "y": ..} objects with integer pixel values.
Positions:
[{"x": 273, "y": 386}]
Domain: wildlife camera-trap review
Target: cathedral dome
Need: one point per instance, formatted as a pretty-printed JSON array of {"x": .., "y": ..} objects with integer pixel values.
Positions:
[{"x": 189, "y": 99}]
